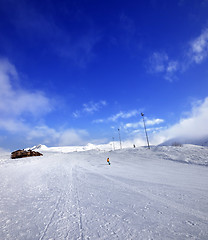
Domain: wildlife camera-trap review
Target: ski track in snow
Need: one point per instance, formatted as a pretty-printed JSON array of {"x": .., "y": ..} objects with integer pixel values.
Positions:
[
  {"x": 51, "y": 219},
  {"x": 141, "y": 195},
  {"x": 151, "y": 195}
]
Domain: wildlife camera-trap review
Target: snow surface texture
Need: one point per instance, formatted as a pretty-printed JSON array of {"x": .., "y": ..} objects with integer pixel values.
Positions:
[{"x": 143, "y": 194}]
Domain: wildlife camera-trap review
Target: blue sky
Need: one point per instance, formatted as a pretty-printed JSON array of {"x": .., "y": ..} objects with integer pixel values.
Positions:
[{"x": 73, "y": 72}]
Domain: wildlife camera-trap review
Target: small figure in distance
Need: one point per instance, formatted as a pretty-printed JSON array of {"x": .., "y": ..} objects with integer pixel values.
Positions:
[{"x": 108, "y": 161}]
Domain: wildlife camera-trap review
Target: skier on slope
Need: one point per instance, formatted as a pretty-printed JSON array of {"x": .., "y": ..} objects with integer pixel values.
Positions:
[{"x": 108, "y": 161}]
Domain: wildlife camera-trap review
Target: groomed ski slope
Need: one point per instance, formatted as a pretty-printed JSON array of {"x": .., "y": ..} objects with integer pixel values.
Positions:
[{"x": 143, "y": 194}]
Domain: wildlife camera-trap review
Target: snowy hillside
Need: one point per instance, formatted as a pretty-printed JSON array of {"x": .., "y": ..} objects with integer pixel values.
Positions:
[
  {"x": 187, "y": 153},
  {"x": 199, "y": 141},
  {"x": 143, "y": 194}
]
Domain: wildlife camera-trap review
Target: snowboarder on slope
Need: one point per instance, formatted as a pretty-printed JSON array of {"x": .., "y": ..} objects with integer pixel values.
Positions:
[{"x": 108, "y": 161}]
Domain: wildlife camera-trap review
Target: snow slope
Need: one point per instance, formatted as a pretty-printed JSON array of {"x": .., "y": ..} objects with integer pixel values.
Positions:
[
  {"x": 143, "y": 194},
  {"x": 197, "y": 141}
]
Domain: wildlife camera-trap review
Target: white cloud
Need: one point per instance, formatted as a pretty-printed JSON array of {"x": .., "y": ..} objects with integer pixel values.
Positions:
[
  {"x": 172, "y": 66},
  {"x": 127, "y": 115},
  {"x": 133, "y": 125},
  {"x": 192, "y": 127},
  {"x": 159, "y": 62},
  {"x": 98, "y": 121},
  {"x": 64, "y": 137},
  {"x": 43, "y": 132},
  {"x": 199, "y": 47},
  {"x": 18, "y": 106},
  {"x": 197, "y": 52},
  {"x": 123, "y": 115},
  {"x": 195, "y": 126},
  {"x": 73, "y": 137},
  {"x": 151, "y": 122},
  {"x": 135, "y": 141},
  {"x": 13, "y": 125},
  {"x": 90, "y": 108},
  {"x": 15, "y": 100},
  {"x": 76, "y": 114},
  {"x": 148, "y": 122}
]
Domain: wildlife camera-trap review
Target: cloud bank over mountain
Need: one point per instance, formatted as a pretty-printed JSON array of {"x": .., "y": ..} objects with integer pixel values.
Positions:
[{"x": 193, "y": 127}]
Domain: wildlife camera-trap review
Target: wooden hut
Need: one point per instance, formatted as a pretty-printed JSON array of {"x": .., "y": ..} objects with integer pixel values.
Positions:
[{"x": 23, "y": 153}]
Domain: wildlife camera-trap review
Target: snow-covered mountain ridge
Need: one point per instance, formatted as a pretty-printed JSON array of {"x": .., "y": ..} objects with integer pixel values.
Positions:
[{"x": 67, "y": 149}]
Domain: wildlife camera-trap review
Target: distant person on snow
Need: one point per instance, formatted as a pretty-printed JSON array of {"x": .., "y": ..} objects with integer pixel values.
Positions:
[{"x": 108, "y": 161}]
